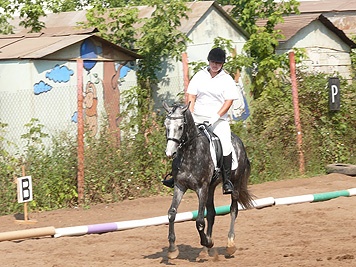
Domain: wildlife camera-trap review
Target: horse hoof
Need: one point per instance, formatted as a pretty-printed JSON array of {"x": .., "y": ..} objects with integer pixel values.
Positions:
[
  {"x": 231, "y": 250},
  {"x": 211, "y": 244},
  {"x": 173, "y": 254}
]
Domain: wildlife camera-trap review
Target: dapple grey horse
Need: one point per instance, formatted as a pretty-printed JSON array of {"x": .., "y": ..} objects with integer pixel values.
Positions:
[{"x": 194, "y": 169}]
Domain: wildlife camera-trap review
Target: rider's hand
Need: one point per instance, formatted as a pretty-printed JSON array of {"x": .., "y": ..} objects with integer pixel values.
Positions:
[{"x": 214, "y": 119}]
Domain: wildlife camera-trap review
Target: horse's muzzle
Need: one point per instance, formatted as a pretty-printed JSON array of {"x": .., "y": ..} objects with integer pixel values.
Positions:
[{"x": 171, "y": 155}]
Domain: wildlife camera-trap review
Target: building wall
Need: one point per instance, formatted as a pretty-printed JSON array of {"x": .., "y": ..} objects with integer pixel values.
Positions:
[
  {"x": 326, "y": 52},
  {"x": 26, "y": 93},
  {"x": 345, "y": 21},
  {"x": 212, "y": 25},
  {"x": 47, "y": 90}
]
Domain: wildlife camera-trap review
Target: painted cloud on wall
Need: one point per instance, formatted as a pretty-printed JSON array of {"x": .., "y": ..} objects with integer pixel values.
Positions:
[
  {"x": 60, "y": 74},
  {"x": 41, "y": 87},
  {"x": 75, "y": 117}
]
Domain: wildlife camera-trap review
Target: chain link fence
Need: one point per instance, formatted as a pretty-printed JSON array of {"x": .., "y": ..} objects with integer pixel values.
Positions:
[{"x": 57, "y": 110}]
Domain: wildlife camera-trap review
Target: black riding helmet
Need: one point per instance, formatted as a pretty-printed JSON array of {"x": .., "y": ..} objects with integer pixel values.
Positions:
[{"x": 217, "y": 55}]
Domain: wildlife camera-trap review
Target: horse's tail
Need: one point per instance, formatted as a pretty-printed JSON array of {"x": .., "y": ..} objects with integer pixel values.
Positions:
[{"x": 245, "y": 197}]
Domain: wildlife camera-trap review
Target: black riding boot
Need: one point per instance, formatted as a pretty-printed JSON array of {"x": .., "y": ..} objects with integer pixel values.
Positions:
[
  {"x": 226, "y": 175},
  {"x": 175, "y": 168},
  {"x": 168, "y": 182}
]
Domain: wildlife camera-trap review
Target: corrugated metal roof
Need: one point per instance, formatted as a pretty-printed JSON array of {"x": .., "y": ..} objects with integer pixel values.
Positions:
[
  {"x": 323, "y": 6},
  {"x": 318, "y": 6},
  {"x": 53, "y": 37},
  {"x": 26, "y": 47},
  {"x": 294, "y": 23},
  {"x": 69, "y": 20},
  {"x": 342, "y": 13},
  {"x": 197, "y": 10},
  {"x": 345, "y": 23},
  {"x": 36, "y": 46},
  {"x": 57, "y": 23}
]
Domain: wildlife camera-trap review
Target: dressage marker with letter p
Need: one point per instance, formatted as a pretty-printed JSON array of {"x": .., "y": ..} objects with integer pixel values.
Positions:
[{"x": 334, "y": 93}]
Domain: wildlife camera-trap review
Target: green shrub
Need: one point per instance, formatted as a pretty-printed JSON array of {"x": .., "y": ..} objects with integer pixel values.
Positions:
[
  {"x": 9, "y": 166},
  {"x": 53, "y": 169},
  {"x": 134, "y": 169},
  {"x": 328, "y": 136}
]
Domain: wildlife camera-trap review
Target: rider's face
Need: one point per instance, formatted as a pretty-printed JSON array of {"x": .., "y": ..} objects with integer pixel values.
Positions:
[{"x": 215, "y": 67}]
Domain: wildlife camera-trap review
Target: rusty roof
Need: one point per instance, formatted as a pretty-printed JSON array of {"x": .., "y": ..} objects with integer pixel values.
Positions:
[
  {"x": 53, "y": 37},
  {"x": 323, "y": 6},
  {"x": 318, "y": 6},
  {"x": 69, "y": 20},
  {"x": 40, "y": 45},
  {"x": 195, "y": 13},
  {"x": 294, "y": 23},
  {"x": 342, "y": 13}
]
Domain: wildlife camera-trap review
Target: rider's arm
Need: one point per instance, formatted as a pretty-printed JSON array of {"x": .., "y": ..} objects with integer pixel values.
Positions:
[
  {"x": 191, "y": 99},
  {"x": 225, "y": 107}
]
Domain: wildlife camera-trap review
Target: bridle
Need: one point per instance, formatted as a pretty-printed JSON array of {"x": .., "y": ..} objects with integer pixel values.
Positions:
[
  {"x": 180, "y": 141},
  {"x": 183, "y": 141}
]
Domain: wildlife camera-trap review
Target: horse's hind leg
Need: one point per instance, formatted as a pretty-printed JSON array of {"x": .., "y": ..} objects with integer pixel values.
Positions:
[
  {"x": 231, "y": 247},
  {"x": 173, "y": 251}
]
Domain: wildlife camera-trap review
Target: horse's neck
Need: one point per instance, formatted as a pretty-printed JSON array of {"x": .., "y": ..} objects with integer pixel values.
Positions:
[{"x": 192, "y": 130}]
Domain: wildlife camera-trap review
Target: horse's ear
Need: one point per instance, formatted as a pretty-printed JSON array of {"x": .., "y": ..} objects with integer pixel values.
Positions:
[
  {"x": 186, "y": 107},
  {"x": 166, "y": 107}
]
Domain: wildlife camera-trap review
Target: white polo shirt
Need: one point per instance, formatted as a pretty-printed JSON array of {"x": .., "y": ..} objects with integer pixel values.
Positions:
[{"x": 211, "y": 93}]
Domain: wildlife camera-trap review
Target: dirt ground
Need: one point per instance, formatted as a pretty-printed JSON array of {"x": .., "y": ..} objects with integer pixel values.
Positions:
[{"x": 306, "y": 234}]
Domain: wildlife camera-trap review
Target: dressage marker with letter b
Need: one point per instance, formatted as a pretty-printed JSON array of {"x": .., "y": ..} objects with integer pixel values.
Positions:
[
  {"x": 24, "y": 195},
  {"x": 24, "y": 189}
]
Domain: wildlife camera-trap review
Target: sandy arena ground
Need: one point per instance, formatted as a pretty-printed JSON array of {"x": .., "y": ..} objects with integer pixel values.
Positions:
[{"x": 306, "y": 234}]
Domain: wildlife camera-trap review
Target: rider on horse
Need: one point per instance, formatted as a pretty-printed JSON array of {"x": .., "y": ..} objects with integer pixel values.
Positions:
[{"x": 211, "y": 93}]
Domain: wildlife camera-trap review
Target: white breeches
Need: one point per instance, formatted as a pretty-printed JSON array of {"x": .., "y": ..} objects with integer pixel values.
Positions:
[{"x": 222, "y": 129}]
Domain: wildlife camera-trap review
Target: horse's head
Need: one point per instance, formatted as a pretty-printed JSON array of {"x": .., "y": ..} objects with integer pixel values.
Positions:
[{"x": 175, "y": 124}]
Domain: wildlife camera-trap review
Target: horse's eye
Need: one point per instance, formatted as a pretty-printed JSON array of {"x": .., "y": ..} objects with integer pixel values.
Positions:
[{"x": 181, "y": 127}]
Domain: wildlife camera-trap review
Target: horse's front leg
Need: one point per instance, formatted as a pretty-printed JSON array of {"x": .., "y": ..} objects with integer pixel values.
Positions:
[
  {"x": 234, "y": 210},
  {"x": 200, "y": 221},
  {"x": 173, "y": 251},
  {"x": 210, "y": 215}
]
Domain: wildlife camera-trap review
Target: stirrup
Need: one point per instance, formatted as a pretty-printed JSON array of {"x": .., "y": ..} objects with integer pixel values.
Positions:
[
  {"x": 227, "y": 188},
  {"x": 168, "y": 182}
]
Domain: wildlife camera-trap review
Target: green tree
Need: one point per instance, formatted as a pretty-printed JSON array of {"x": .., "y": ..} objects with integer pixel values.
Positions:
[
  {"x": 157, "y": 39},
  {"x": 29, "y": 12},
  {"x": 259, "y": 18}
]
